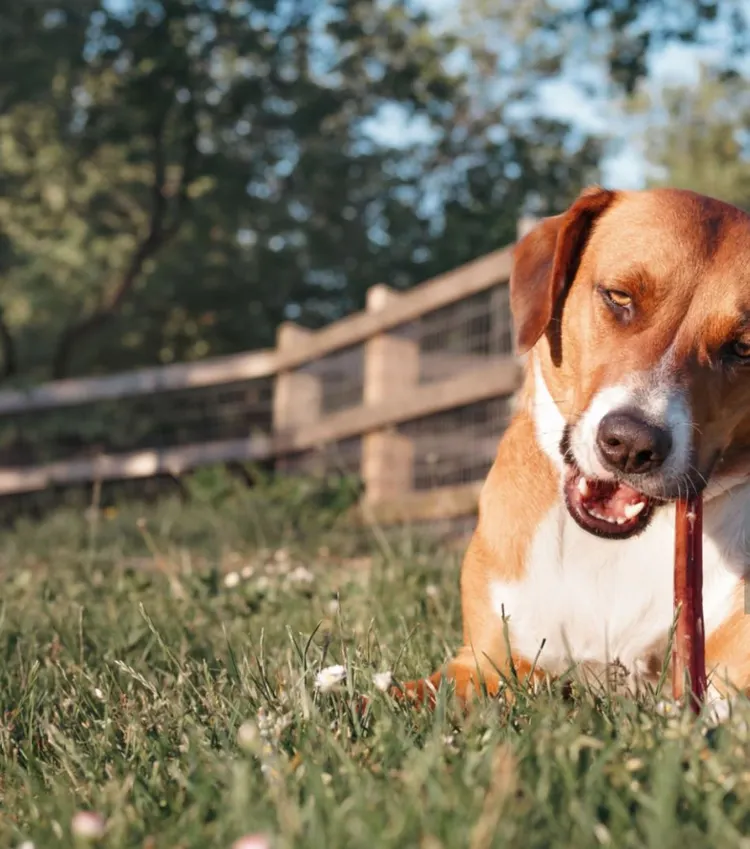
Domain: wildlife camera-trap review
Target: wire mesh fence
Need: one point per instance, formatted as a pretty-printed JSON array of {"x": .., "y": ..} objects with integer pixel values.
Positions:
[
  {"x": 353, "y": 387},
  {"x": 448, "y": 448},
  {"x": 457, "y": 446},
  {"x": 335, "y": 458},
  {"x": 341, "y": 376},
  {"x": 465, "y": 335},
  {"x": 154, "y": 421}
]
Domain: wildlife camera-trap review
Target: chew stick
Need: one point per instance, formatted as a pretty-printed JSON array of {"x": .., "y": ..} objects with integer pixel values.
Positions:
[{"x": 688, "y": 649}]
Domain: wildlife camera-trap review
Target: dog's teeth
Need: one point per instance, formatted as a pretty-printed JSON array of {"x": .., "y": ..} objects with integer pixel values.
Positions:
[
  {"x": 621, "y": 520},
  {"x": 583, "y": 487},
  {"x": 632, "y": 510}
]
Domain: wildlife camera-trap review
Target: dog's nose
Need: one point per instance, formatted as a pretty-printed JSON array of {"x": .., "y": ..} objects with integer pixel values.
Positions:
[{"x": 629, "y": 444}]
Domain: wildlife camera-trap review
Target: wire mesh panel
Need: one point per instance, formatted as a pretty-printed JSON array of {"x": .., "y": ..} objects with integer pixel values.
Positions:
[
  {"x": 159, "y": 420},
  {"x": 341, "y": 378},
  {"x": 391, "y": 368},
  {"x": 465, "y": 335},
  {"x": 341, "y": 458},
  {"x": 457, "y": 446}
]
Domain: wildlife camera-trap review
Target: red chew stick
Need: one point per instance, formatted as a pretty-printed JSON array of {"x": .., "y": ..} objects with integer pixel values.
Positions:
[{"x": 688, "y": 652}]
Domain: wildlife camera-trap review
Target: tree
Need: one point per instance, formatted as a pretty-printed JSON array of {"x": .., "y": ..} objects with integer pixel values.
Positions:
[
  {"x": 39, "y": 43},
  {"x": 695, "y": 137},
  {"x": 181, "y": 176}
]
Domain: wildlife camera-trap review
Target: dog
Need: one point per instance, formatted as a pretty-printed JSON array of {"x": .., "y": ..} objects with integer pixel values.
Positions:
[{"x": 632, "y": 311}]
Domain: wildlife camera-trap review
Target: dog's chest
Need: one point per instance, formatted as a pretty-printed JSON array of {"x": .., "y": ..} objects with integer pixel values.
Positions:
[{"x": 586, "y": 599}]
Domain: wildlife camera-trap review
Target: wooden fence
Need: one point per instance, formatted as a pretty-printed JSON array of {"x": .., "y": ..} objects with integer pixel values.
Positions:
[{"x": 411, "y": 394}]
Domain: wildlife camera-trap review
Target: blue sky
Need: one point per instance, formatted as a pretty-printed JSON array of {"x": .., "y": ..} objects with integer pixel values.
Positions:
[{"x": 625, "y": 167}]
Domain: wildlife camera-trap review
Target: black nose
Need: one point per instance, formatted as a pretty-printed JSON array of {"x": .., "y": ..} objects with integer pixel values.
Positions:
[{"x": 629, "y": 444}]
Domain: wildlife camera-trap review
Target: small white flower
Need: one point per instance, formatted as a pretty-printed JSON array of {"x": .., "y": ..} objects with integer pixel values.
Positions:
[
  {"x": 252, "y": 841},
  {"x": 248, "y": 735},
  {"x": 88, "y": 825},
  {"x": 231, "y": 579},
  {"x": 666, "y": 708},
  {"x": 382, "y": 681},
  {"x": 333, "y": 607},
  {"x": 99, "y": 694},
  {"x": 601, "y": 832},
  {"x": 247, "y": 572},
  {"x": 431, "y": 591},
  {"x": 27, "y": 844},
  {"x": 302, "y": 576},
  {"x": 327, "y": 679}
]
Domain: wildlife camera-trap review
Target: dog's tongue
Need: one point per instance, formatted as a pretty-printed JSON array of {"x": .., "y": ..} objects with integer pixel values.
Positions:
[{"x": 610, "y": 500}]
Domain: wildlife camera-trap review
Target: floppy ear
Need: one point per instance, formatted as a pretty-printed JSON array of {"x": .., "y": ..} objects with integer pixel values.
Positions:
[{"x": 545, "y": 263}]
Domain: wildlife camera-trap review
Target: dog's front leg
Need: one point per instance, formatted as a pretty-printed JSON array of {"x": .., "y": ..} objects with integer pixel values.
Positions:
[{"x": 470, "y": 677}]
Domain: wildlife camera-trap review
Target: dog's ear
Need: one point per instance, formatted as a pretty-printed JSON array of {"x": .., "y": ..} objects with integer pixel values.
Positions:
[{"x": 545, "y": 262}]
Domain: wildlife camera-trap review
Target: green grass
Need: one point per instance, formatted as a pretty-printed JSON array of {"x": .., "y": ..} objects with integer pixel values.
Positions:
[{"x": 129, "y": 666}]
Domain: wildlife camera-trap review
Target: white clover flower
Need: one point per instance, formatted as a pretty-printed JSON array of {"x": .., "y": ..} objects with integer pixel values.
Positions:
[
  {"x": 431, "y": 591},
  {"x": 301, "y": 575},
  {"x": 281, "y": 555},
  {"x": 602, "y": 834},
  {"x": 27, "y": 844},
  {"x": 666, "y": 708},
  {"x": 252, "y": 841},
  {"x": 99, "y": 695},
  {"x": 248, "y": 735},
  {"x": 231, "y": 579},
  {"x": 247, "y": 572},
  {"x": 333, "y": 606},
  {"x": 88, "y": 825},
  {"x": 382, "y": 681},
  {"x": 330, "y": 677}
]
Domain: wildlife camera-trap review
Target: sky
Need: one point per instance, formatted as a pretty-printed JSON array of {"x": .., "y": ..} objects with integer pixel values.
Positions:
[{"x": 625, "y": 167}]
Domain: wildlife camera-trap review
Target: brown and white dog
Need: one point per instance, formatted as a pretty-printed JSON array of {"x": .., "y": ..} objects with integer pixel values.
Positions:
[{"x": 634, "y": 310}]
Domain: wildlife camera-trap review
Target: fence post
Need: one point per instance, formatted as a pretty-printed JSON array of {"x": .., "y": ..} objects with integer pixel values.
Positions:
[
  {"x": 297, "y": 395},
  {"x": 391, "y": 368}
]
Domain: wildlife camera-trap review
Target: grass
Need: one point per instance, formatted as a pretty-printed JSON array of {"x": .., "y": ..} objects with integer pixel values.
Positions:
[{"x": 130, "y": 663}]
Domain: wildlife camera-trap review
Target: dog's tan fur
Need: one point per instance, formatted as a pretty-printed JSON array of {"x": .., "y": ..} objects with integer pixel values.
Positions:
[{"x": 685, "y": 259}]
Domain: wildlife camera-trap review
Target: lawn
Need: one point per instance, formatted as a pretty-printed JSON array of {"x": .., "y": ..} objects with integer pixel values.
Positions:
[{"x": 159, "y": 668}]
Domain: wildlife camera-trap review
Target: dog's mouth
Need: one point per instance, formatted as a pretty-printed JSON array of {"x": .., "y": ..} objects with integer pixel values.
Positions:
[{"x": 606, "y": 508}]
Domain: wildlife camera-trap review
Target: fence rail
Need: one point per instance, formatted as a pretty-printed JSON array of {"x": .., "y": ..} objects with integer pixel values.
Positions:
[{"x": 411, "y": 394}]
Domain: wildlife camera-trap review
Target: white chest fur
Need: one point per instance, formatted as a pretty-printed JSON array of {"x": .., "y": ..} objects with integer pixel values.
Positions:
[{"x": 595, "y": 600}]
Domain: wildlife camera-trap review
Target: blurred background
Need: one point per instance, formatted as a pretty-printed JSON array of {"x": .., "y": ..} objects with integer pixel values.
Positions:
[{"x": 180, "y": 177}]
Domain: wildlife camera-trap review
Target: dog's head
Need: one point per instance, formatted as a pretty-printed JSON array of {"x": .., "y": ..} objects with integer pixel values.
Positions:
[{"x": 637, "y": 308}]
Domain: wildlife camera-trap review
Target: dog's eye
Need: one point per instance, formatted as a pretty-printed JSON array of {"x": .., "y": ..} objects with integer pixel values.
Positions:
[
  {"x": 616, "y": 299},
  {"x": 741, "y": 349}
]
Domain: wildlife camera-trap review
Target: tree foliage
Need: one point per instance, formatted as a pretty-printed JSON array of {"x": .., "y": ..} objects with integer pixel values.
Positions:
[
  {"x": 696, "y": 137},
  {"x": 178, "y": 176}
]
